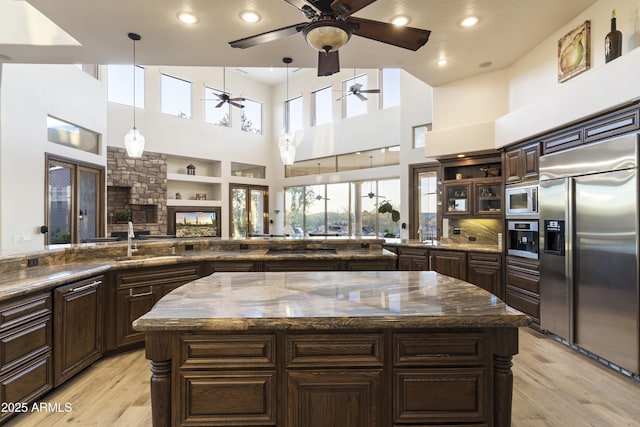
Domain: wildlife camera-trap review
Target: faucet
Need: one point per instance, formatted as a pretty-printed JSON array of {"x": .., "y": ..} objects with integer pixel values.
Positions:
[{"x": 130, "y": 236}]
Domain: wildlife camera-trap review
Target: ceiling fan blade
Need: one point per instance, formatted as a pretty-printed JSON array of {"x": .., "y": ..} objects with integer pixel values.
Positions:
[
  {"x": 238, "y": 99},
  {"x": 344, "y": 96},
  {"x": 360, "y": 96},
  {"x": 268, "y": 36},
  {"x": 235, "y": 104},
  {"x": 328, "y": 63},
  {"x": 370, "y": 91},
  {"x": 220, "y": 104},
  {"x": 405, "y": 37},
  {"x": 345, "y": 8}
]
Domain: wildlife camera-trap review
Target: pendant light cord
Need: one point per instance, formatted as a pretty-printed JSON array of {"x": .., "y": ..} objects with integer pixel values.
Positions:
[{"x": 134, "y": 84}]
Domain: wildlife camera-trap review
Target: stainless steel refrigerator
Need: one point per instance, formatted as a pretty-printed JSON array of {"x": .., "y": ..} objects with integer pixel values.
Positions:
[{"x": 589, "y": 259}]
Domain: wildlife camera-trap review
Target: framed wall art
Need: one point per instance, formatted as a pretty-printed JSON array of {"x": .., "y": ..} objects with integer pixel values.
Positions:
[{"x": 574, "y": 52}]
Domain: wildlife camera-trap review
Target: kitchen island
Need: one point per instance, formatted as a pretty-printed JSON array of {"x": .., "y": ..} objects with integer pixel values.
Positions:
[{"x": 350, "y": 349}]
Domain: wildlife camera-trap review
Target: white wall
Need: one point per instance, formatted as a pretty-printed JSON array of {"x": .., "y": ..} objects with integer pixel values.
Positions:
[
  {"x": 28, "y": 93},
  {"x": 526, "y": 99}
]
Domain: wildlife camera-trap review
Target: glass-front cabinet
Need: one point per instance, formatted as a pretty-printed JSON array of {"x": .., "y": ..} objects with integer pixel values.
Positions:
[
  {"x": 457, "y": 198},
  {"x": 488, "y": 198}
]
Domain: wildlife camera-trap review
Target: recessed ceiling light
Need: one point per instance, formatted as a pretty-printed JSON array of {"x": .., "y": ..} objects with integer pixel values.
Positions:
[
  {"x": 460, "y": 155},
  {"x": 188, "y": 18},
  {"x": 400, "y": 20},
  {"x": 441, "y": 62},
  {"x": 469, "y": 21},
  {"x": 250, "y": 16}
]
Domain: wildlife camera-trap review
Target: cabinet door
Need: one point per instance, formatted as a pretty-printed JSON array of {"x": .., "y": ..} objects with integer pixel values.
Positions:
[
  {"x": 530, "y": 157},
  {"x": 512, "y": 165},
  {"x": 488, "y": 198},
  {"x": 131, "y": 304},
  {"x": 318, "y": 398},
  {"x": 486, "y": 276},
  {"x": 449, "y": 263},
  {"x": 78, "y": 326},
  {"x": 457, "y": 198}
]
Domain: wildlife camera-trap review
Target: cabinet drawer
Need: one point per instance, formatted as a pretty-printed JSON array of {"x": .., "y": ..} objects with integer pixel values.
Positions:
[
  {"x": 158, "y": 276},
  {"x": 418, "y": 252},
  {"x": 25, "y": 342},
  {"x": 334, "y": 350},
  {"x": 439, "y": 348},
  {"x": 429, "y": 396},
  {"x": 523, "y": 302},
  {"x": 477, "y": 257},
  {"x": 28, "y": 382},
  {"x": 528, "y": 282},
  {"x": 228, "y": 351},
  {"x": 228, "y": 398},
  {"x": 24, "y": 309}
]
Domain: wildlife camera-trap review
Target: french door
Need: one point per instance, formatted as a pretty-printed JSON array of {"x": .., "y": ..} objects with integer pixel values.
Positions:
[
  {"x": 249, "y": 210},
  {"x": 425, "y": 201},
  {"x": 74, "y": 208}
]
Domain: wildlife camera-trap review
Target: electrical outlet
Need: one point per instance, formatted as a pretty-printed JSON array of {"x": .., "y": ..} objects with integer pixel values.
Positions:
[
  {"x": 472, "y": 239},
  {"x": 32, "y": 262},
  {"x": 364, "y": 245},
  {"x": 456, "y": 230},
  {"x": 244, "y": 246},
  {"x": 188, "y": 247}
]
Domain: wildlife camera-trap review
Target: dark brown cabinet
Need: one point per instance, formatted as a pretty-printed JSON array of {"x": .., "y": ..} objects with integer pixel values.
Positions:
[
  {"x": 521, "y": 163},
  {"x": 26, "y": 355},
  {"x": 78, "y": 325},
  {"x": 485, "y": 270},
  {"x": 449, "y": 263},
  {"x": 135, "y": 291},
  {"x": 523, "y": 287},
  {"x": 413, "y": 259}
]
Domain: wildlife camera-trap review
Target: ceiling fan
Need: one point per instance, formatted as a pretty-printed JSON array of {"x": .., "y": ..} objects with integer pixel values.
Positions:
[
  {"x": 224, "y": 96},
  {"x": 331, "y": 26},
  {"x": 356, "y": 89}
]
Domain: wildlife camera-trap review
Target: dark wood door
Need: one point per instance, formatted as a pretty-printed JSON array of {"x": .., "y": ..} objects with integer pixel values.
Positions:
[
  {"x": 486, "y": 276},
  {"x": 449, "y": 263},
  {"x": 334, "y": 398},
  {"x": 78, "y": 326},
  {"x": 131, "y": 304}
]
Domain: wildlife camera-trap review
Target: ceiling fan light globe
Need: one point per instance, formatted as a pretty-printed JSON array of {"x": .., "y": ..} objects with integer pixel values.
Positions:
[
  {"x": 134, "y": 143},
  {"x": 327, "y": 36},
  {"x": 287, "y": 149}
]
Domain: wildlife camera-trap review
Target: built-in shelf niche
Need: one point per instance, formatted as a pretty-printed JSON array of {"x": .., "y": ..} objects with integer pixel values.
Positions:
[{"x": 202, "y": 188}]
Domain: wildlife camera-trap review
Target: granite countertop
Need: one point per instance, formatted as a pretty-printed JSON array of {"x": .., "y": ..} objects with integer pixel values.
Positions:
[
  {"x": 60, "y": 268},
  {"x": 341, "y": 300},
  {"x": 452, "y": 246}
]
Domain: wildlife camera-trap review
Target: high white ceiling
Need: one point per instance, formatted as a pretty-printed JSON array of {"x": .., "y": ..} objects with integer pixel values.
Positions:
[{"x": 506, "y": 31}]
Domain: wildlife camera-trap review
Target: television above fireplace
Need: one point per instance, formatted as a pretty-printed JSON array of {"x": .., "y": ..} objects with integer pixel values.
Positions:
[{"x": 193, "y": 221}]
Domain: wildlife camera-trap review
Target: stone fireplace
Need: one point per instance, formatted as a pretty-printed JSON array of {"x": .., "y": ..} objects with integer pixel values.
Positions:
[{"x": 136, "y": 191}]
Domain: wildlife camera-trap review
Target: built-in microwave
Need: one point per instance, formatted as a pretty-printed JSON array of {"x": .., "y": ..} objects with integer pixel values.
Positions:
[{"x": 521, "y": 201}]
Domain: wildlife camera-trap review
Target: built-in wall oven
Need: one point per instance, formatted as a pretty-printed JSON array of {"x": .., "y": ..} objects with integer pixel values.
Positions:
[{"x": 522, "y": 238}]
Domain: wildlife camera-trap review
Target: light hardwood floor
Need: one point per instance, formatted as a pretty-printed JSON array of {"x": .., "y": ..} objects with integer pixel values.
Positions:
[{"x": 553, "y": 386}]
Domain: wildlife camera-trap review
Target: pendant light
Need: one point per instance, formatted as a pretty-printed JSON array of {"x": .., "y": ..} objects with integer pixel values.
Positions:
[
  {"x": 134, "y": 141},
  {"x": 286, "y": 145}
]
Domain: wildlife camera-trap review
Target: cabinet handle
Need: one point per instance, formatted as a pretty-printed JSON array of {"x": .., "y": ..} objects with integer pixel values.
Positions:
[
  {"x": 430, "y": 262},
  {"x": 93, "y": 284},
  {"x": 143, "y": 294}
]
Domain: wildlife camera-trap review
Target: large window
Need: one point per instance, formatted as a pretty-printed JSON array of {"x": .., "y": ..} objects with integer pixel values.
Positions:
[
  {"x": 342, "y": 209},
  {"x": 293, "y": 111},
  {"x": 390, "y": 87},
  {"x": 217, "y": 115},
  {"x": 176, "y": 96},
  {"x": 251, "y": 117},
  {"x": 423, "y": 205},
  {"x": 120, "y": 84},
  {"x": 322, "y": 106},
  {"x": 354, "y": 106}
]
